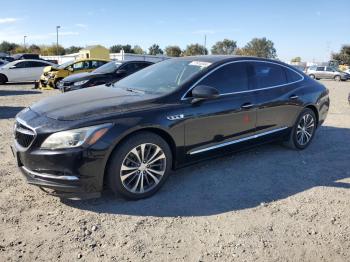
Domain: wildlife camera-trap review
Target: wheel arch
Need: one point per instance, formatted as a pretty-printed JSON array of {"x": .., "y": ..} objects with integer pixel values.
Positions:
[
  {"x": 156, "y": 130},
  {"x": 5, "y": 77},
  {"x": 314, "y": 109}
]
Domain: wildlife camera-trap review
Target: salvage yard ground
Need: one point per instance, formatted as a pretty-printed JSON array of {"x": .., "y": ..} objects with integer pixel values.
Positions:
[{"x": 266, "y": 204}]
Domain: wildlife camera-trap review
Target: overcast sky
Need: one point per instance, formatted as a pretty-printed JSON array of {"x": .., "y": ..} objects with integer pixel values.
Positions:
[{"x": 310, "y": 29}]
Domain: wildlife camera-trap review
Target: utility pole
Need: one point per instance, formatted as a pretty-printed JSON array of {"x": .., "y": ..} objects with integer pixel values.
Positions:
[
  {"x": 24, "y": 41},
  {"x": 205, "y": 43},
  {"x": 57, "y": 27}
]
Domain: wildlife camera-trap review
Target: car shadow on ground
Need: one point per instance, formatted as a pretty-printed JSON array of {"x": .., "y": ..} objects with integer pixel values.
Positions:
[
  {"x": 9, "y": 111},
  {"x": 18, "y": 92},
  {"x": 242, "y": 180}
]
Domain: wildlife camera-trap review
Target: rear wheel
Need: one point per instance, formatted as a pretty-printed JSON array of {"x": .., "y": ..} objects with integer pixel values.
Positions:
[
  {"x": 337, "y": 78},
  {"x": 3, "y": 79},
  {"x": 303, "y": 131},
  {"x": 139, "y": 166}
]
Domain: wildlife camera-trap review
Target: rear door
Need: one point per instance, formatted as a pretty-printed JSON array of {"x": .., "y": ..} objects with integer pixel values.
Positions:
[{"x": 275, "y": 91}]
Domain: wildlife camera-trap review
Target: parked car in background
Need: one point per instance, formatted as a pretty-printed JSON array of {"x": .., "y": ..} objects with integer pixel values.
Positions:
[
  {"x": 26, "y": 56},
  {"x": 7, "y": 58},
  {"x": 108, "y": 73},
  {"x": 3, "y": 62},
  {"x": 168, "y": 115},
  {"x": 22, "y": 70},
  {"x": 327, "y": 72},
  {"x": 347, "y": 71},
  {"x": 53, "y": 74}
]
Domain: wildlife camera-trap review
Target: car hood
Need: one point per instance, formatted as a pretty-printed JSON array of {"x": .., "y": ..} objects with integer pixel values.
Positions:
[
  {"x": 81, "y": 77},
  {"x": 91, "y": 102}
]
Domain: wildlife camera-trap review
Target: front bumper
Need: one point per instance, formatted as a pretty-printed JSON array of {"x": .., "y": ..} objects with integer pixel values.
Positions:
[
  {"x": 45, "y": 82},
  {"x": 76, "y": 173}
]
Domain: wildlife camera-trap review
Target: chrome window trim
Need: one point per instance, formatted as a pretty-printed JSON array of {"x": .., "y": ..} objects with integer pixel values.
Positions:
[
  {"x": 247, "y": 91},
  {"x": 237, "y": 141}
]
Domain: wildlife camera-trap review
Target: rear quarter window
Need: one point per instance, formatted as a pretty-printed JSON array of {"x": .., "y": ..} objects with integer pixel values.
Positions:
[{"x": 292, "y": 76}]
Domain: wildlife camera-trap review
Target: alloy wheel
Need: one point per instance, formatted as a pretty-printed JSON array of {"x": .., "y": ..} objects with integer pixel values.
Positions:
[
  {"x": 143, "y": 168},
  {"x": 305, "y": 129}
]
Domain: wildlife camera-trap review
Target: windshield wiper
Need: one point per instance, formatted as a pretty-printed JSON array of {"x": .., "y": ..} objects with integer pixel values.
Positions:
[{"x": 135, "y": 90}]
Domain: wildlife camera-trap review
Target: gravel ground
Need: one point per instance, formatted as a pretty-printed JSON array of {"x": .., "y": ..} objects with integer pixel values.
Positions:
[{"x": 266, "y": 204}]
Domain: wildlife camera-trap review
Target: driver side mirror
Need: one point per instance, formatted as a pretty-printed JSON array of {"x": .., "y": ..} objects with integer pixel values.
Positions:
[
  {"x": 121, "y": 72},
  {"x": 203, "y": 92}
]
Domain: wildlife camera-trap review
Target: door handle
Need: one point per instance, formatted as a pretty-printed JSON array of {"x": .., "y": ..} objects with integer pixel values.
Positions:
[
  {"x": 293, "y": 97},
  {"x": 247, "y": 106}
]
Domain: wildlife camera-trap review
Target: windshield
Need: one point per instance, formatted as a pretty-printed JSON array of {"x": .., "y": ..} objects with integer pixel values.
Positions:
[
  {"x": 62, "y": 66},
  {"x": 163, "y": 77},
  {"x": 110, "y": 67}
]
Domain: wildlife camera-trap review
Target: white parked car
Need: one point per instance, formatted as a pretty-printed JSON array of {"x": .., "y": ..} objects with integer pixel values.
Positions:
[{"x": 23, "y": 70}]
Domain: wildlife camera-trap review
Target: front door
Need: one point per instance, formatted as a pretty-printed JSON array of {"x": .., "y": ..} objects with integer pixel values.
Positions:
[{"x": 217, "y": 123}]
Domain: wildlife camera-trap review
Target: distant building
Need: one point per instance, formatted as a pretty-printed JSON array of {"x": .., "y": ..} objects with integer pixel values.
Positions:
[{"x": 94, "y": 51}]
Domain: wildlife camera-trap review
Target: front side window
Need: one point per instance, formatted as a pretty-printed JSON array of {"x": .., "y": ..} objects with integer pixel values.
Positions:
[
  {"x": 229, "y": 78},
  {"x": 81, "y": 65},
  {"x": 21, "y": 65},
  {"x": 268, "y": 75}
]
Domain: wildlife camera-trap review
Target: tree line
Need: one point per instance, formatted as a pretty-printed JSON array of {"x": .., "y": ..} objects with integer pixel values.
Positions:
[{"x": 260, "y": 47}]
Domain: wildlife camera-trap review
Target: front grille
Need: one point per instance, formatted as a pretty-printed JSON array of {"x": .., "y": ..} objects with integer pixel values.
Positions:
[{"x": 24, "y": 135}]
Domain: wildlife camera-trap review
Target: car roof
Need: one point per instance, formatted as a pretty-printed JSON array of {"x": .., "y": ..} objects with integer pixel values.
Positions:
[
  {"x": 91, "y": 59},
  {"x": 29, "y": 60},
  {"x": 225, "y": 58}
]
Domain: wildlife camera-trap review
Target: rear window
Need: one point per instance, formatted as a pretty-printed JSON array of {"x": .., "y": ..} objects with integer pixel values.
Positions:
[{"x": 268, "y": 75}]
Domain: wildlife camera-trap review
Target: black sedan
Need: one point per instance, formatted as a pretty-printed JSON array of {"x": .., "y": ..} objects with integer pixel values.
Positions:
[
  {"x": 166, "y": 116},
  {"x": 106, "y": 74}
]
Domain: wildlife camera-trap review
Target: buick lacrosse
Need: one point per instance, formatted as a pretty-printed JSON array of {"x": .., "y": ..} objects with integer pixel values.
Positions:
[{"x": 129, "y": 136}]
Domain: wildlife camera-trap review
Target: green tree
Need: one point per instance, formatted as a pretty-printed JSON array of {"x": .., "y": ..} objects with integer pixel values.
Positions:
[
  {"x": 118, "y": 48},
  {"x": 173, "y": 50},
  {"x": 138, "y": 50},
  {"x": 260, "y": 47},
  {"x": 296, "y": 59},
  {"x": 7, "y": 47},
  {"x": 155, "y": 50},
  {"x": 34, "y": 49},
  {"x": 225, "y": 47},
  {"x": 343, "y": 57},
  {"x": 195, "y": 49},
  {"x": 73, "y": 49},
  {"x": 19, "y": 50},
  {"x": 51, "y": 50}
]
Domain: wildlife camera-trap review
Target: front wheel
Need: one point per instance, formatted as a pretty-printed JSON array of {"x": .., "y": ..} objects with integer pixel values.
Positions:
[
  {"x": 312, "y": 76},
  {"x": 303, "y": 130},
  {"x": 139, "y": 166},
  {"x": 337, "y": 78}
]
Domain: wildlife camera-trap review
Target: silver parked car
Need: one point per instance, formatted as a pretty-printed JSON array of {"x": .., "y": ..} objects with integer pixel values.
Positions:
[
  {"x": 23, "y": 70},
  {"x": 327, "y": 72}
]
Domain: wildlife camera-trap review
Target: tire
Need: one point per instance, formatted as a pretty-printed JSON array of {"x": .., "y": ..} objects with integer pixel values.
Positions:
[
  {"x": 312, "y": 76},
  {"x": 55, "y": 84},
  {"x": 300, "y": 138},
  {"x": 127, "y": 176},
  {"x": 3, "y": 79},
  {"x": 337, "y": 78}
]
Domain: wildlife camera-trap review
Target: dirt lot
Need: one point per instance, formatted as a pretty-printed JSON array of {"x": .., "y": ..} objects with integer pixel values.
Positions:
[{"x": 267, "y": 204}]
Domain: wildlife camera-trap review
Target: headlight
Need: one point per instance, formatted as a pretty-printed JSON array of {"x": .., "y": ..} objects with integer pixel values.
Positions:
[
  {"x": 79, "y": 83},
  {"x": 75, "y": 137}
]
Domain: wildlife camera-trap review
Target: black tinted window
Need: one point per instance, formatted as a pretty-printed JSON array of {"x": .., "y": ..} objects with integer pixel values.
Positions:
[
  {"x": 21, "y": 65},
  {"x": 320, "y": 68},
  {"x": 292, "y": 76},
  {"x": 268, "y": 75},
  {"x": 229, "y": 78},
  {"x": 35, "y": 64}
]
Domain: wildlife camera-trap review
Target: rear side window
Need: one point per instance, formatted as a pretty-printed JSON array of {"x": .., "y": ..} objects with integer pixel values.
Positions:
[
  {"x": 229, "y": 78},
  {"x": 268, "y": 75},
  {"x": 320, "y": 68},
  {"x": 292, "y": 76}
]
